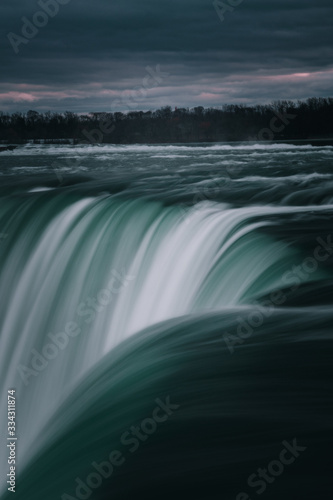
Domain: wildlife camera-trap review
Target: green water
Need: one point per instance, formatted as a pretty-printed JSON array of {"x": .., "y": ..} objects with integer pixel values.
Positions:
[{"x": 134, "y": 274}]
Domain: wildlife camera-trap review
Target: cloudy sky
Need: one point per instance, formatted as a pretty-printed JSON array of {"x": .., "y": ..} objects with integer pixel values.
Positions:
[{"x": 107, "y": 55}]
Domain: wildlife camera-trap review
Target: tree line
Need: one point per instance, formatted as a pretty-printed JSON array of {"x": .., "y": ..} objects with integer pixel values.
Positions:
[{"x": 280, "y": 120}]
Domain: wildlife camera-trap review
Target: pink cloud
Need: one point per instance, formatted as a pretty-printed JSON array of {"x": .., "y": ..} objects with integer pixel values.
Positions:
[{"x": 17, "y": 97}]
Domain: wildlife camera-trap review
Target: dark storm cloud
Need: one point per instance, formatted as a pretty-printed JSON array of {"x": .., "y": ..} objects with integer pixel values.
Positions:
[{"x": 91, "y": 55}]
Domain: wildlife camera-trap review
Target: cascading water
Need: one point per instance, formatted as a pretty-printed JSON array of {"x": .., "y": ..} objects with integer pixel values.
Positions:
[{"x": 111, "y": 301}]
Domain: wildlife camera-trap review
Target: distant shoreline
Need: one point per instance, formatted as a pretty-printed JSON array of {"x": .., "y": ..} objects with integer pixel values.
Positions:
[
  {"x": 280, "y": 121},
  {"x": 68, "y": 142}
]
